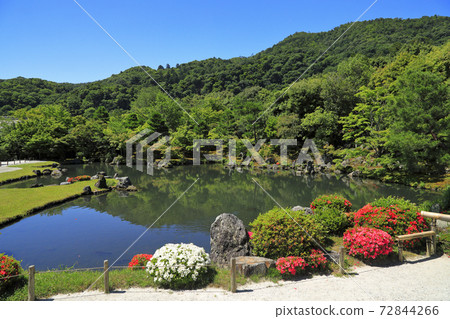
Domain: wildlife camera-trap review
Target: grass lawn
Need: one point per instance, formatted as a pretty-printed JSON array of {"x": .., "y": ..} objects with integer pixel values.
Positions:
[
  {"x": 27, "y": 170},
  {"x": 18, "y": 202}
]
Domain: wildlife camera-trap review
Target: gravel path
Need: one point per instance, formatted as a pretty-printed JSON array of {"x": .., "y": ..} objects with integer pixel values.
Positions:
[{"x": 421, "y": 279}]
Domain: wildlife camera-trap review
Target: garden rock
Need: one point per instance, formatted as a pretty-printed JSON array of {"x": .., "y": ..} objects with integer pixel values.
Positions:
[
  {"x": 56, "y": 173},
  {"x": 101, "y": 183},
  {"x": 64, "y": 183},
  {"x": 37, "y": 172},
  {"x": 87, "y": 190},
  {"x": 124, "y": 182},
  {"x": 307, "y": 210},
  {"x": 228, "y": 239},
  {"x": 251, "y": 265},
  {"x": 132, "y": 188},
  {"x": 36, "y": 185},
  {"x": 310, "y": 167},
  {"x": 46, "y": 172},
  {"x": 354, "y": 174}
]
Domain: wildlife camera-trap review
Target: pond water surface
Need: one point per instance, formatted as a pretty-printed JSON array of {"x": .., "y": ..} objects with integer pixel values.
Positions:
[{"x": 86, "y": 231}]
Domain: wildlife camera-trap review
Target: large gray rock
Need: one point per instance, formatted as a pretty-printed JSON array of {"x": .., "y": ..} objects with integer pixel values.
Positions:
[
  {"x": 228, "y": 239},
  {"x": 101, "y": 182}
]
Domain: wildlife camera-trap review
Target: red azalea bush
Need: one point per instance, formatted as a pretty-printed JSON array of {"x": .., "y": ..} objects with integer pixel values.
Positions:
[
  {"x": 396, "y": 216},
  {"x": 139, "y": 261},
  {"x": 366, "y": 242},
  {"x": 291, "y": 264},
  {"x": 8, "y": 267},
  {"x": 294, "y": 264},
  {"x": 79, "y": 178},
  {"x": 317, "y": 260},
  {"x": 332, "y": 201}
]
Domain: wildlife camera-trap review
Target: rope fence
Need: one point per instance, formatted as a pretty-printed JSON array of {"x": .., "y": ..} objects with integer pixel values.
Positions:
[{"x": 105, "y": 269}]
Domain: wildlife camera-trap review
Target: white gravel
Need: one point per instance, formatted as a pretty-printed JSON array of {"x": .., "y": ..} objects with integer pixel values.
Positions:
[{"x": 421, "y": 279}]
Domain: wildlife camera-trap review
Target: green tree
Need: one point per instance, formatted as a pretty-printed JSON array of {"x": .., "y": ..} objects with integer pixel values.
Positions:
[{"x": 420, "y": 124}]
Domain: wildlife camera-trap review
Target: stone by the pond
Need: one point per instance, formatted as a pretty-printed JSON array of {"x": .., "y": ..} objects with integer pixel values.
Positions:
[
  {"x": 37, "y": 172},
  {"x": 307, "y": 210},
  {"x": 56, "y": 173},
  {"x": 252, "y": 265},
  {"x": 228, "y": 239},
  {"x": 87, "y": 190},
  {"x": 36, "y": 185},
  {"x": 124, "y": 182},
  {"x": 46, "y": 171},
  {"x": 132, "y": 188},
  {"x": 64, "y": 183},
  {"x": 101, "y": 183}
]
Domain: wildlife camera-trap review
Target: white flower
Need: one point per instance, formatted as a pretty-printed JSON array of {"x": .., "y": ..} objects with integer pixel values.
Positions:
[{"x": 174, "y": 261}]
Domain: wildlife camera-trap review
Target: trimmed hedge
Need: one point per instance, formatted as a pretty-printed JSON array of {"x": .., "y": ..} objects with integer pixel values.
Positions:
[{"x": 278, "y": 234}]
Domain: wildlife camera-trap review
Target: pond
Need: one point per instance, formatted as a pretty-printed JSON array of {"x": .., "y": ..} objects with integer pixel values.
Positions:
[{"x": 86, "y": 231}]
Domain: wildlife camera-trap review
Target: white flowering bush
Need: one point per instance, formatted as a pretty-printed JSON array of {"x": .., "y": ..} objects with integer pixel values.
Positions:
[{"x": 179, "y": 266}]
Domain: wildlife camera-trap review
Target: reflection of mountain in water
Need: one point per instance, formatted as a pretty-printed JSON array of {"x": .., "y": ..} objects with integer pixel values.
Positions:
[{"x": 217, "y": 191}]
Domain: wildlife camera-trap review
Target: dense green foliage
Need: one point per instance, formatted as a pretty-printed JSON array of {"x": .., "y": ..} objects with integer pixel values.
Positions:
[
  {"x": 332, "y": 219},
  {"x": 380, "y": 94},
  {"x": 279, "y": 233},
  {"x": 335, "y": 201}
]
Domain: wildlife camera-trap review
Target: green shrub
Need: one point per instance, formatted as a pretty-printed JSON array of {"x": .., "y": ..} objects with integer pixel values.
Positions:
[
  {"x": 276, "y": 234},
  {"x": 332, "y": 219},
  {"x": 331, "y": 201},
  {"x": 445, "y": 200}
]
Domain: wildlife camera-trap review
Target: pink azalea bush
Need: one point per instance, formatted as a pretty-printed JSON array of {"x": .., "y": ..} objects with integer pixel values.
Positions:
[
  {"x": 293, "y": 264},
  {"x": 367, "y": 242}
]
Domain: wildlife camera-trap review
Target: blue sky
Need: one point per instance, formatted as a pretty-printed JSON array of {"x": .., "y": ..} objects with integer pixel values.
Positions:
[{"x": 55, "y": 40}]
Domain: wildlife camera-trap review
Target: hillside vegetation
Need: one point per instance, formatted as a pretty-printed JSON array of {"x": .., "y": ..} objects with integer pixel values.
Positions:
[{"x": 379, "y": 98}]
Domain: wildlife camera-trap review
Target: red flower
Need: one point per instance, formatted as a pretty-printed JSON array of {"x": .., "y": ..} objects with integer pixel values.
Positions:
[{"x": 139, "y": 261}]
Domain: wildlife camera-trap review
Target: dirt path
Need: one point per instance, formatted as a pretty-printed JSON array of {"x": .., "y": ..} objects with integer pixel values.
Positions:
[{"x": 422, "y": 279}]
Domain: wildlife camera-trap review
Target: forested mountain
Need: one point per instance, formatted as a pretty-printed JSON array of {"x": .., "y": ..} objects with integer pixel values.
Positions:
[
  {"x": 378, "y": 99},
  {"x": 273, "y": 68}
]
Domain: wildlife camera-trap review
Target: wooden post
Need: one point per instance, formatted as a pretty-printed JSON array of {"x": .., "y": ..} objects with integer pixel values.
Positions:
[
  {"x": 434, "y": 228},
  {"x": 400, "y": 251},
  {"x": 31, "y": 282},
  {"x": 341, "y": 259},
  {"x": 428, "y": 247},
  {"x": 106, "y": 276},
  {"x": 233, "y": 274}
]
